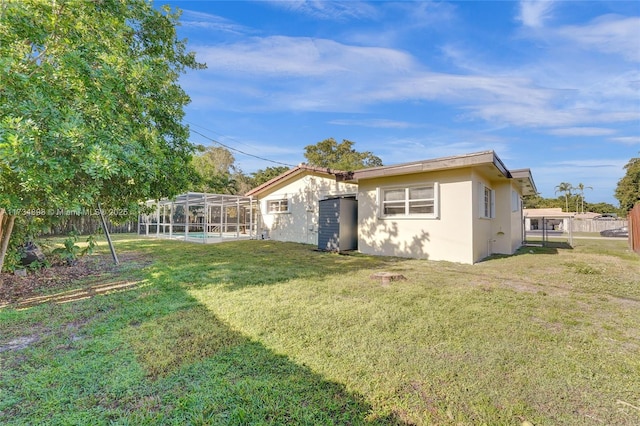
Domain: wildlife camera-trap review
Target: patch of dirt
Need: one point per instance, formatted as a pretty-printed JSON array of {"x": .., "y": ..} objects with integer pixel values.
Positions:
[
  {"x": 88, "y": 270},
  {"x": 19, "y": 343}
]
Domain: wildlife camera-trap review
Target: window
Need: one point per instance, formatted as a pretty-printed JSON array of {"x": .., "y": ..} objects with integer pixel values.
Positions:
[
  {"x": 515, "y": 201},
  {"x": 418, "y": 201},
  {"x": 278, "y": 206},
  {"x": 487, "y": 202}
]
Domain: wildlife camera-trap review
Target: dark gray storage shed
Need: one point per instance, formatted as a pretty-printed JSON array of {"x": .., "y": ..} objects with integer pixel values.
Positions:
[{"x": 338, "y": 224}]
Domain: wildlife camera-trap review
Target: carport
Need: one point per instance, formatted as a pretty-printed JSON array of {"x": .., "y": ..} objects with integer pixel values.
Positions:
[{"x": 543, "y": 223}]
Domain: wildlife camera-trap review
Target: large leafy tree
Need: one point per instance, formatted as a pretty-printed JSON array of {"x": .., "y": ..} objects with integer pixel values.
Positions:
[
  {"x": 538, "y": 202},
  {"x": 628, "y": 189},
  {"x": 264, "y": 175},
  {"x": 602, "y": 207},
  {"x": 90, "y": 106},
  {"x": 341, "y": 156},
  {"x": 216, "y": 169}
]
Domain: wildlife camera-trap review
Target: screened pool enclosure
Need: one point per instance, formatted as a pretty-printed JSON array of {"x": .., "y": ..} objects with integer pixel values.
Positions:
[{"x": 200, "y": 217}]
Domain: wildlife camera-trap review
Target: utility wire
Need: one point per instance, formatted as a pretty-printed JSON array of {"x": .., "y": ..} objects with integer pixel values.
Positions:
[
  {"x": 237, "y": 150},
  {"x": 219, "y": 134}
]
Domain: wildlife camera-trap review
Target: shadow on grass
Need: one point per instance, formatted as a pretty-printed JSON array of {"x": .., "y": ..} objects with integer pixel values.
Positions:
[
  {"x": 535, "y": 248},
  {"x": 558, "y": 245},
  {"x": 154, "y": 355},
  {"x": 219, "y": 376}
]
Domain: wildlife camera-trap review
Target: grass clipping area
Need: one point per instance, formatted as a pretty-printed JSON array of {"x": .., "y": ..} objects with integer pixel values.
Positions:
[{"x": 262, "y": 332}]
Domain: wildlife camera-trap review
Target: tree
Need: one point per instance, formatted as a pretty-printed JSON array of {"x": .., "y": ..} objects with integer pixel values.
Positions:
[
  {"x": 243, "y": 182},
  {"x": 602, "y": 207},
  {"x": 581, "y": 187},
  {"x": 340, "y": 156},
  {"x": 261, "y": 176},
  {"x": 90, "y": 107},
  {"x": 538, "y": 202},
  {"x": 628, "y": 189},
  {"x": 215, "y": 167},
  {"x": 565, "y": 188}
]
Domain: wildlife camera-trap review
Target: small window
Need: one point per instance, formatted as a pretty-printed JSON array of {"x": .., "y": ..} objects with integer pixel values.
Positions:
[
  {"x": 515, "y": 201},
  {"x": 278, "y": 206},
  {"x": 487, "y": 202},
  {"x": 417, "y": 201}
]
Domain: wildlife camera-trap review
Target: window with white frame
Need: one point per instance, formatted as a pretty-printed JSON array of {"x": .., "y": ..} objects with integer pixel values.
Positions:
[
  {"x": 412, "y": 201},
  {"x": 515, "y": 201},
  {"x": 487, "y": 202},
  {"x": 278, "y": 206}
]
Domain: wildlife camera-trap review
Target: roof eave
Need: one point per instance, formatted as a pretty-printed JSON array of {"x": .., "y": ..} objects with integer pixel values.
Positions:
[
  {"x": 444, "y": 163},
  {"x": 525, "y": 179}
]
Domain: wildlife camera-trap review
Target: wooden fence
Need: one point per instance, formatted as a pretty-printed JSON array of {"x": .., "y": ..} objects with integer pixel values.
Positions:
[{"x": 634, "y": 228}]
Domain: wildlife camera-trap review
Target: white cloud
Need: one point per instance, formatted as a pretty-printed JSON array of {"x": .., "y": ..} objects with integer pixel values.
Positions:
[
  {"x": 582, "y": 131},
  {"x": 466, "y": 88},
  {"x": 405, "y": 150},
  {"x": 422, "y": 14},
  {"x": 375, "y": 123},
  {"x": 534, "y": 13},
  {"x": 201, "y": 20},
  {"x": 329, "y": 10},
  {"x": 589, "y": 164},
  {"x": 308, "y": 74},
  {"x": 305, "y": 57},
  {"x": 609, "y": 34},
  {"x": 627, "y": 140}
]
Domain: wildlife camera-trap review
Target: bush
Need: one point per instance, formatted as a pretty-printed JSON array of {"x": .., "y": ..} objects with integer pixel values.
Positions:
[{"x": 70, "y": 253}]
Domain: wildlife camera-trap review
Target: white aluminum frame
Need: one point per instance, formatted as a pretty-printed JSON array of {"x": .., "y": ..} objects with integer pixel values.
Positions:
[{"x": 201, "y": 217}]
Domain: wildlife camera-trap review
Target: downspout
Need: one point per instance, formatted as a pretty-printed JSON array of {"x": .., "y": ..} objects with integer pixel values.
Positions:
[{"x": 523, "y": 236}]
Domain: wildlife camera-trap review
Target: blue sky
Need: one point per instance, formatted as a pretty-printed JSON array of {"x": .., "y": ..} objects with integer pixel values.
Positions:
[{"x": 553, "y": 86}]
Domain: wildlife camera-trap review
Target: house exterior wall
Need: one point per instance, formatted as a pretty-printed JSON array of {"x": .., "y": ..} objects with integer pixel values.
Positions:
[
  {"x": 482, "y": 227},
  {"x": 458, "y": 233},
  {"x": 517, "y": 221},
  {"x": 502, "y": 233},
  {"x": 302, "y": 193},
  {"x": 507, "y": 225},
  {"x": 448, "y": 236}
]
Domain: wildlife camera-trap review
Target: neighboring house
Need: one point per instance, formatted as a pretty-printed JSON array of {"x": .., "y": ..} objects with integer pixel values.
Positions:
[
  {"x": 549, "y": 219},
  {"x": 587, "y": 216},
  {"x": 554, "y": 219},
  {"x": 461, "y": 209},
  {"x": 288, "y": 204}
]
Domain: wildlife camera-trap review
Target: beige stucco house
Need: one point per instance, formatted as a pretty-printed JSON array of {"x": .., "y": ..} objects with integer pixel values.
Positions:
[
  {"x": 460, "y": 209},
  {"x": 288, "y": 204}
]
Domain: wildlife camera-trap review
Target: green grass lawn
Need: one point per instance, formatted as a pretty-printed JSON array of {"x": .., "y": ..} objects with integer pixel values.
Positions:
[{"x": 263, "y": 332}]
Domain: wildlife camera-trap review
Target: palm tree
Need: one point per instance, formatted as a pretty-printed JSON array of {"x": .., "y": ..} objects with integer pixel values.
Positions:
[
  {"x": 581, "y": 188},
  {"x": 565, "y": 187}
]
